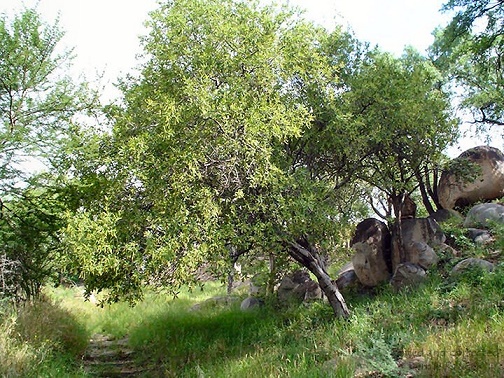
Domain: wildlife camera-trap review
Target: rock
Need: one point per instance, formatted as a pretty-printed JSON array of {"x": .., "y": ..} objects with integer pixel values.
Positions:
[
  {"x": 448, "y": 251},
  {"x": 371, "y": 242},
  {"x": 455, "y": 191},
  {"x": 484, "y": 213},
  {"x": 214, "y": 302},
  {"x": 479, "y": 236},
  {"x": 472, "y": 263},
  {"x": 408, "y": 208},
  {"x": 424, "y": 230},
  {"x": 443, "y": 215},
  {"x": 422, "y": 254},
  {"x": 369, "y": 265},
  {"x": 407, "y": 274},
  {"x": 298, "y": 287},
  {"x": 250, "y": 303},
  {"x": 346, "y": 278}
]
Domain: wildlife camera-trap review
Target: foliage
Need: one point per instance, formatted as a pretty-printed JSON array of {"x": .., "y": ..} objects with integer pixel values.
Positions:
[
  {"x": 470, "y": 50},
  {"x": 29, "y": 228},
  {"x": 40, "y": 107},
  {"x": 201, "y": 164},
  {"x": 398, "y": 104}
]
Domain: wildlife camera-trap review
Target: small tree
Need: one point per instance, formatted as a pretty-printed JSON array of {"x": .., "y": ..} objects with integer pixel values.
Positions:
[
  {"x": 38, "y": 109},
  {"x": 398, "y": 105}
]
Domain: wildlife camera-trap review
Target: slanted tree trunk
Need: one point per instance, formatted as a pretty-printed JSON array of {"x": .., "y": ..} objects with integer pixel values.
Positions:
[{"x": 306, "y": 256}]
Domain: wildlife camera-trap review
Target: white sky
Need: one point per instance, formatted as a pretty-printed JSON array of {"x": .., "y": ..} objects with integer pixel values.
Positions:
[{"x": 105, "y": 32}]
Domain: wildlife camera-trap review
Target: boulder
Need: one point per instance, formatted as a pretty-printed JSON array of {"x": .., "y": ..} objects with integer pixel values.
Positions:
[
  {"x": 369, "y": 265},
  {"x": 408, "y": 208},
  {"x": 481, "y": 215},
  {"x": 422, "y": 254},
  {"x": 298, "y": 287},
  {"x": 346, "y": 278},
  {"x": 250, "y": 303},
  {"x": 472, "y": 263},
  {"x": 455, "y": 190},
  {"x": 423, "y": 230},
  {"x": 479, "y": 236},
  {"x": 407, "y": 274},
  {"x": 371, "y": 243}
]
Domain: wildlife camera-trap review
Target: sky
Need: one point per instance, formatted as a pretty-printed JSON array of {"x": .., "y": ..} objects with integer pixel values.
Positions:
[{"x": 104, "y": 33}]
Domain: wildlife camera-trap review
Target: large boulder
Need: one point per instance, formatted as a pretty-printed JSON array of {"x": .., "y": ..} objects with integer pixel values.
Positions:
[
  {"x": 483, "y": 214},
  {"x": 417, "y": 235},
  {"x": 456, "y": 191},
  {"x": 371, "y": 261}
]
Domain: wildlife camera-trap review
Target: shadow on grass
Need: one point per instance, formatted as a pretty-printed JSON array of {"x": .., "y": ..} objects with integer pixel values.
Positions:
[{"x": 180, "y": 341}]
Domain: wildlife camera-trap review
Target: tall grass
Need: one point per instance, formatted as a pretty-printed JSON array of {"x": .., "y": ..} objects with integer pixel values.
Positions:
[{"x": 40, "y": 339}]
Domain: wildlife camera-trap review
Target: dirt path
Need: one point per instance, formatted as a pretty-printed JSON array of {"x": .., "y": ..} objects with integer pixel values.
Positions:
[{"x": 108, "y": 357}]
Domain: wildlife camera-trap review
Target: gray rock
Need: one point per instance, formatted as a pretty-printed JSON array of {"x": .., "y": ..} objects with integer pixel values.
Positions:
[
  {"x": 250, "y": 303},
  {"x": 298, "y": 287},
  {"x": 479, "y": 236},
  {"x": 346, "y": 278},
  {"x": 407, "y": 274},
  {"x": 423, "y": 230},
  {"x": 483, "y": 214},
  {"x": 472, "y": 263},
  {"x": 422, "y": 254}
]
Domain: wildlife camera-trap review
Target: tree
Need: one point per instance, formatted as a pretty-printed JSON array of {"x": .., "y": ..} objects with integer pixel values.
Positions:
[
  {"x": 201, "y": 159},
  {"x": 471, "y": 49},
  {"x": 398, "y": 105},
  {"x": 39, "y": 106}
]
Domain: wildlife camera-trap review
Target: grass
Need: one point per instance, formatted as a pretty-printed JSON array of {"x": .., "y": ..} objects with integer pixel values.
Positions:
[{"x": 444, "y": 328}]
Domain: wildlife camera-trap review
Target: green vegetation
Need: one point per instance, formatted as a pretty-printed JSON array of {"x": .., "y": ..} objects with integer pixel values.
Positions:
[
  {"x": 247, "y": 135},
  {"x": 445, "y": 328}
]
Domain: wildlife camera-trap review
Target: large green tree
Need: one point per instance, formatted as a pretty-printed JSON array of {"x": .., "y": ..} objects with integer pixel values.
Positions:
[
  {"x": 205, "y": 156},
  {"x": 471, "y": 49}
]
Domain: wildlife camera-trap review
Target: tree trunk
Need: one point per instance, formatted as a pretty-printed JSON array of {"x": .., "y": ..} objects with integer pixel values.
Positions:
[
  {"x": 270, "y": 286},
  {"x": 397, "y": 203},
  {"x": 425, "y": 195},
  {"x": 307, "y": 258}
]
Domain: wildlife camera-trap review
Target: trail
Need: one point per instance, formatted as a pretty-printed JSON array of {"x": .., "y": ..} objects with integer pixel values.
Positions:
[{"x": 108, "y": 357}]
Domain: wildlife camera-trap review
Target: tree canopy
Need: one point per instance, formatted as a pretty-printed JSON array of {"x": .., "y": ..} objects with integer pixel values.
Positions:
[{"x": 470, "y": 50}]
